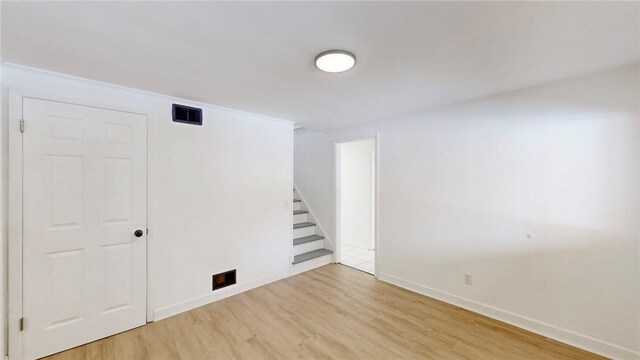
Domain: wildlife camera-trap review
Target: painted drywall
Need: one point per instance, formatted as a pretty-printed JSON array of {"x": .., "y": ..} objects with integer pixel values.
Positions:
[
  {"x": 536, "y": 193},
  {"x": 219, "y": 194},
  {"x": 3, "y": 218},
  {"x": 356, "y": 159},
  {"x": 314, "y": 176}
]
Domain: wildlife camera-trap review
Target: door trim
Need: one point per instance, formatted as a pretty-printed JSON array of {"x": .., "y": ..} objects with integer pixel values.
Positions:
[
  {"x": 15, "y": 211},
  {"x": 336, "y": 161}
]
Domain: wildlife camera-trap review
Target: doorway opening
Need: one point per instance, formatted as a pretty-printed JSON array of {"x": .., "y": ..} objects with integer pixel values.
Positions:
[{"x": 356, "y": 204}]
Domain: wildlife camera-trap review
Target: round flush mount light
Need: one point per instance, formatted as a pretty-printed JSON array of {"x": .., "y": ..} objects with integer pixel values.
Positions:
[{"x": 335, "y": 61}]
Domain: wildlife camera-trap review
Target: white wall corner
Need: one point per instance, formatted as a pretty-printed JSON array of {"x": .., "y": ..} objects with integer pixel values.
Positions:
[{"x": 315, "y": 219}]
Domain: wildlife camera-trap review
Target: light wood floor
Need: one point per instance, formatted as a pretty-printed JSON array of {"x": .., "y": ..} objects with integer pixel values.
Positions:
[{"x": 331, "y": 312}]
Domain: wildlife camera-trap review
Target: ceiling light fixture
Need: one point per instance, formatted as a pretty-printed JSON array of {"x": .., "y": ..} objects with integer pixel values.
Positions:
[{"x": 335, "y": 61}]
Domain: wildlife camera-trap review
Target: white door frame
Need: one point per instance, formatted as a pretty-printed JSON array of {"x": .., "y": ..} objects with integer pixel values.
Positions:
[
  {"x": 15, "y": 210},
  {"x": 336, "y": 154}
]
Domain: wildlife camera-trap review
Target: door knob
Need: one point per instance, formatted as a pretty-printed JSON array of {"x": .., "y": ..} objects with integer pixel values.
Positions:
[{"x": 138, "y": 233}]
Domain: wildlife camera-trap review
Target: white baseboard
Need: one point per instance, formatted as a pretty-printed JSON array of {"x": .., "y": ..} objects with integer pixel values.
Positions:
[
  {"x": 174, "y": 309},
  {"x": 581, "y": 341}
]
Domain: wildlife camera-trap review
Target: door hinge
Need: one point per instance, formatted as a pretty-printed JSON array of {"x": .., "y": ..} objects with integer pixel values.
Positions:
[
  {"x": 21, "y": 324},
  {"x": 21, "y": 125}
]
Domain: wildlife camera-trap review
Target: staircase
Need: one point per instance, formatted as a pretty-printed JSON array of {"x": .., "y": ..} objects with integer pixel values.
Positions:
[{"x": 310, "y": 248}]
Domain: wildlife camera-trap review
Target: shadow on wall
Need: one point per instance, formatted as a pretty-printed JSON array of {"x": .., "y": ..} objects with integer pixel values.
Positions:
[
  {"x": 555, "y": 275},
  {"x": 462, "y": 186}
]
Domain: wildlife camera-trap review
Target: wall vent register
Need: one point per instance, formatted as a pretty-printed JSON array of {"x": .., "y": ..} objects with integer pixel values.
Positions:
[
  {"x": 218, "y": 281},
  {"x": 187, "y": 115}
]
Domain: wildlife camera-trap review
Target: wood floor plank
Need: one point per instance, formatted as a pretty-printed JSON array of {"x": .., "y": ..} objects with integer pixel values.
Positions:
[{"x": 333, "y": 312}]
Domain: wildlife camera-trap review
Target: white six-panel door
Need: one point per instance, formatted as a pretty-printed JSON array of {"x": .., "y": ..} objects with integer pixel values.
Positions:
[{"x": 84, "y": 195}]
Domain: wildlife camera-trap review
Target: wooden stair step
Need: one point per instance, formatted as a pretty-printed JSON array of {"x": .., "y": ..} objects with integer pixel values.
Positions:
[
  {"x": 307, "y": 239},
  {"x": 311, "y": 255},
  {"x": 303, "y": 225}
]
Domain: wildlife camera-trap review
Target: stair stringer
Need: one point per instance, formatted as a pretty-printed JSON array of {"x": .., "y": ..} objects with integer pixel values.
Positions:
[{"x": 328, "y": 244}]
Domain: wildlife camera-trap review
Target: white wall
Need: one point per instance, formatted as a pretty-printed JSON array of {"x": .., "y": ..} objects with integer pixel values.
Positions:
[
  {"x": 356, "y": 159},
  {"x": 314, "y": 176},
  {"x": 462, "y": 186},
  {"x": 219, "y": 194},
  {"x": 3, "y": 218}
]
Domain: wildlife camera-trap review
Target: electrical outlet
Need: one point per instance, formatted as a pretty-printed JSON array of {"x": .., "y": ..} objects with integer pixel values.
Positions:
[{"x": 467, "y": 279}]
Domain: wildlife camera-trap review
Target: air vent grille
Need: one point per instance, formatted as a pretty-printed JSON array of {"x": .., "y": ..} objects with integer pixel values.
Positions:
[
  {"x": 187, "y": 115},
  {"x": 224, "y": 279}
]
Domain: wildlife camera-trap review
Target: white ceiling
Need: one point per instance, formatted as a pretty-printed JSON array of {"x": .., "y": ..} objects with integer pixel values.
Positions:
[{"x": 258, "y": 56}]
